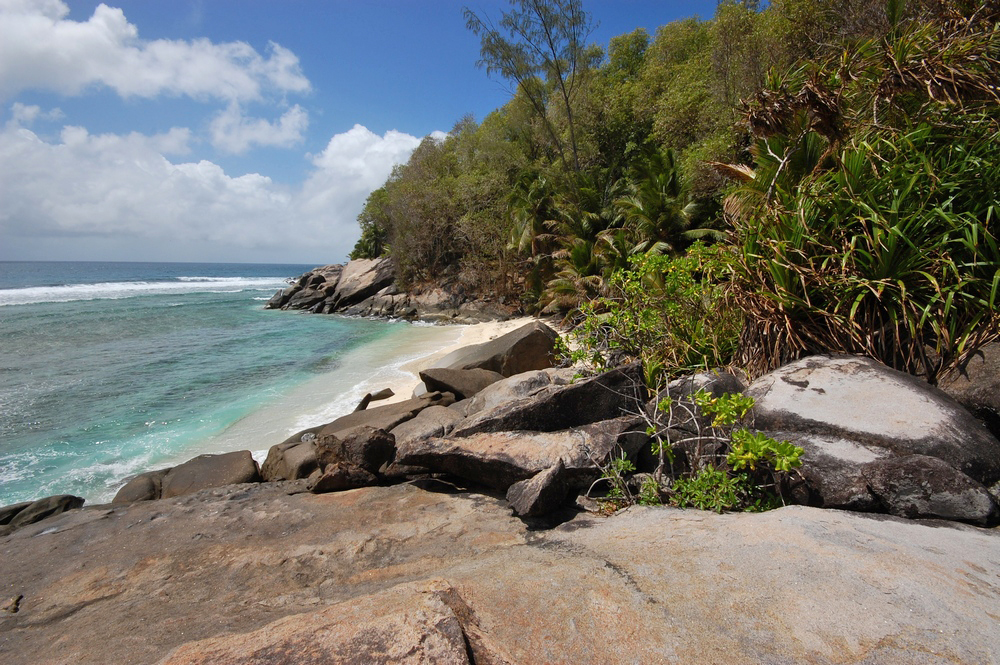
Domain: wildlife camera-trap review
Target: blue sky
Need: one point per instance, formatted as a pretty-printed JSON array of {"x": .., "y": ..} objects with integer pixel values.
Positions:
[{"x": 230, "y": 130}]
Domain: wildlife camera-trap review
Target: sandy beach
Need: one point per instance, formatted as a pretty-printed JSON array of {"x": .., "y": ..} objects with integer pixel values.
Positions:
[{"x": 391, "y": 362}]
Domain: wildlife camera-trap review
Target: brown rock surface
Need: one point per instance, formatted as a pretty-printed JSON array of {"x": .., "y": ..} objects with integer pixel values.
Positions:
[{"x": 387, "y": 574}]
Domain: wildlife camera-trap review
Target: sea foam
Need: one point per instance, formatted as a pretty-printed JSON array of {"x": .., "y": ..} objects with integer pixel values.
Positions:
[{"x": 115, "y": 290}]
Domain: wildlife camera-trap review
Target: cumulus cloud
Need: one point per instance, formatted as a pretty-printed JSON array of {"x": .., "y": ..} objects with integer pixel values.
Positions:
[
  {"x": 87, "y": 186},
  {"x": 349, "y": 168},
  {"x": 235, "y": 133},
  {"x": 40, "y": 48}
]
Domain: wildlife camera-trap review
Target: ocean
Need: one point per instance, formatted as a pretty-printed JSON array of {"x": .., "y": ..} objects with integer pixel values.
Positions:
[{"x": 111, "y": 369}]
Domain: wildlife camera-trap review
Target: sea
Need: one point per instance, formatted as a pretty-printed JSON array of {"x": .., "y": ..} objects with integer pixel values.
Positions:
[{"x": 112, "y": 369}]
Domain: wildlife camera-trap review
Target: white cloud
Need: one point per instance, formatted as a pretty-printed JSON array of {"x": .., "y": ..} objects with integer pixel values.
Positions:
[
  {"x": 122, "y": 188},
  {"x": 41, "y": 49},
  {"x": 349, "y": 168},
  {"x": 25, "y": 115},
  {"x": 235, "y": 133}
]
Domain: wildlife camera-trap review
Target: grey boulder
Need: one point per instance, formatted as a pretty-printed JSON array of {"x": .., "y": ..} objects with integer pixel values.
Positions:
[
  {"x": 976, "y": 386},
  {"x": 522, "y": 350},
  {"x": 541, "y": 494},
  {"x": 207, "y": 471},
  {"x": 558, "y": 407},
  {"x": 23, "y": 514},
  {"x": 463, "y": 383},
  {"x": 859, "y": 400},
  {"x": 500, "y": 459},
  {"x": 144, "y": 487},
  {"x": 917, "y": 486}
]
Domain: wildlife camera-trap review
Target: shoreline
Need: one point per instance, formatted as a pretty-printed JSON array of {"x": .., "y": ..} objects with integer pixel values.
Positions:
[{"x": 331, "y": 395}]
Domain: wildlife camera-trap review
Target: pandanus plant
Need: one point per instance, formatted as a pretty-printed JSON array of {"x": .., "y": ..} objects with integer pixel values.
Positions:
[{"x": 868, "y": 223}]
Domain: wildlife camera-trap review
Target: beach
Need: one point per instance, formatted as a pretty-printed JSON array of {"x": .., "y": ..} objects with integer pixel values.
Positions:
[{"x": 111, "y": 369}]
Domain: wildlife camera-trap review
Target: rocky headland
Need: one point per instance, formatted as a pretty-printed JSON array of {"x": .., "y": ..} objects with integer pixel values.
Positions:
[
  {"x": 458, "y": 526},
  {"x": 366, "y": 287}
]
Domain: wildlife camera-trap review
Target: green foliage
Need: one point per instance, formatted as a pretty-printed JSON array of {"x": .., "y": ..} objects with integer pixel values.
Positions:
[
  {"x": 728, "y": 466},
  {"x": 752, "y": 449},
  {"x": 667, "y": 312},
  {"x": 375, "y": 222},
  {"x": 649, "y": 492},
  {"x": 710, "y": 489},
  {"x": 726, "y": 409},
  {"x": 870, "y": 223},
  {"x": 541, "y": 47},
  {"x": 615, "y": 475}
]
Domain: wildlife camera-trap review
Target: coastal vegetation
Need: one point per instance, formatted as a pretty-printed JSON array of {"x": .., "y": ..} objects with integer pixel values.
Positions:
[
  {"x": 836, "y": 154},
  {"x": 811, "y": 176}
]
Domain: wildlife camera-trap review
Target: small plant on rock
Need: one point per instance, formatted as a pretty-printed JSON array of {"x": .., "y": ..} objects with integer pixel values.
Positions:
[{"x": 729, "y": 466}]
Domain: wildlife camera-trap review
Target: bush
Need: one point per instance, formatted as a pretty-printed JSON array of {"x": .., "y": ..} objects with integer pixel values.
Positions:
[
  {"x": 667, "y": 312},
  {"x": 728, "y": 466}
]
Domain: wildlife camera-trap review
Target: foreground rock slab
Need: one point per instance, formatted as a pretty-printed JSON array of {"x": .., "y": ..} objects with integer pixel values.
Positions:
[{"x": 265, "y": 574}]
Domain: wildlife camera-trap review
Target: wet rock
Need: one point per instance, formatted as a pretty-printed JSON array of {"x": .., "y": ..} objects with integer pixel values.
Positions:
[{"x": 38, "y": 510}]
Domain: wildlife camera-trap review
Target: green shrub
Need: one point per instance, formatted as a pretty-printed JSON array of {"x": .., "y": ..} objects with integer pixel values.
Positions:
[
  {"x": 741, "y": 470},
  {"x": 667, "y": 312}
]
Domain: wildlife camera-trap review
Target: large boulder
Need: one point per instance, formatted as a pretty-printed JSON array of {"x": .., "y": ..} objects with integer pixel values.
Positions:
[
  {"x": 541, "y": 494},
  {"x": 364, "y": 447},
  {"x": 432, "y": 421},
  {"x": 425, "y": 622},
  {"x": 361, "y": 279},
  {"x": 206, "y": 471},
  {"x": 7, "y": 513},
  {"x": 832, "y": 474},
  {"x": 385, "y": 417},
  {"x": 260, "y": 574},
  {"x": 522, "y": 350},
  {"x": 917, "y": 486},
  {"x": 976, "y": 386},
  {"x": 146, "y": 486},
  {"x": 25, "y": 513},
  {"x": 559, "y": 407},
  {"x": 499, "y": 459},
  {"x": 858, "y": 400},
  {"x": 290, "y": 460},
  {"x": 463, "y": 383},
  {"x": 518, "y": 387}
]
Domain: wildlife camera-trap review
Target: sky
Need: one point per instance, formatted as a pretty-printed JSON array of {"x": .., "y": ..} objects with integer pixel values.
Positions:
[{"x": 232, "y": 130}]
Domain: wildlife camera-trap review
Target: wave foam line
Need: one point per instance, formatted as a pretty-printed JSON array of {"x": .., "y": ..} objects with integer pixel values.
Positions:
[{"x": 115, "y": 290}]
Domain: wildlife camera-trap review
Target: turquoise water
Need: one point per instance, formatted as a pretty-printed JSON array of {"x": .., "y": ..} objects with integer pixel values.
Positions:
[{"x": 109, "y": 369}]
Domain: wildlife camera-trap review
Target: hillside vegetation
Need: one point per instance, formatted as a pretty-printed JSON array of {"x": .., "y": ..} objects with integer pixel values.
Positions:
[{"x": 837, "y": 155}]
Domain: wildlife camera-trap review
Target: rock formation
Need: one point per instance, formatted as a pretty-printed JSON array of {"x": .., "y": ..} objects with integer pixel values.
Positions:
[
  {"x": 365, "y": 287},
  {"x": 265, "y": 573},
  {"x": 489, "y": 552}
]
